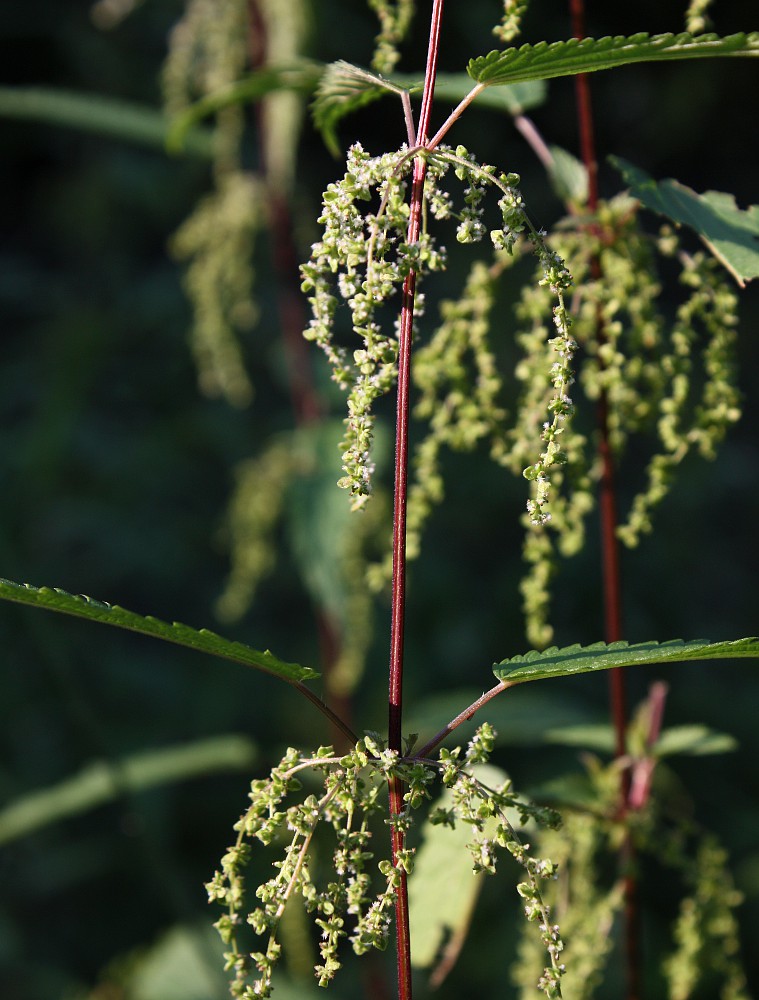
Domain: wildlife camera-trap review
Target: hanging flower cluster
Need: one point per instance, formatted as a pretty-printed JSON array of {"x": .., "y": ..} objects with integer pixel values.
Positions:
[{"x": 346, "y": 793}]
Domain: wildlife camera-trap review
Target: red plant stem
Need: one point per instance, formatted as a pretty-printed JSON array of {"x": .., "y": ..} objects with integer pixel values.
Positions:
[
  {"x": 400, "y": 486},
  {"x": 612, "y": 585},
  {"x": 612, "y": 588},
  {"x": 464, "y": 716},
  {"x": 608, "y": 502}
]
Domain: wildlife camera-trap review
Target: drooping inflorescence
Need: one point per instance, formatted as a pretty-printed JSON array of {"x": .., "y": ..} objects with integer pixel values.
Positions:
[
  {"x": 351, "y": 897},
  {"x": 363, "y": 258}
]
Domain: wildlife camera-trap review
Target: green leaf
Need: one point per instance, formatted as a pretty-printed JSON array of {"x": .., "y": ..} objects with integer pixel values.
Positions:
[
  {"x": 106, "y": 780},
  {"x": 554, "y": 662},
  {"x": 598, "y": 737},
  {"x": 695, "y": 740},
  {"x": 545, "y": 61},
  {"x": 52, "y": 599},
  {"x": 301, "y": 78},
  {"x": 442, "y": 888},
  {"x": 345, "y": 88},
  {"x": 179, "y": 966},
  {"x": 104, "y": 116},
  {"x": 569, "y": 176},
  {"x": 318, "y": 518},
  {"x": 731, "y": 234}
]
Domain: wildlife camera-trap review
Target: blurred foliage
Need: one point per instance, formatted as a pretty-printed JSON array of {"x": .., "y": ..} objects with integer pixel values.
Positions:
[{"x": 117, "y": 475}]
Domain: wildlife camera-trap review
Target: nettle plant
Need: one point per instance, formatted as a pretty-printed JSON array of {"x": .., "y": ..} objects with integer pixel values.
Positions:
[{"x": 590, "y": 330}]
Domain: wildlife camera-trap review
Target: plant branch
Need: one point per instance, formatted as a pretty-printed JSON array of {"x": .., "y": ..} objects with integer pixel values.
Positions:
[
  {"x": 535, "y": 140},
  {"x": 607, "y": 500},
  {"x": 464, "y": 716},
  {"x": 326, "y": 711},
  {"x": 408, "y": 116},
  {"x": 642, "y": 770},
  {"x": 454, "y": 116}
]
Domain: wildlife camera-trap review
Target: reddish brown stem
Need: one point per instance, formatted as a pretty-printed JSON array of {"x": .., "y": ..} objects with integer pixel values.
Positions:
[
  {"x": 612, "y": 585},
  {"x": 612, "y": 588},
  {"x": 400, "y": 485},
  {"x": 305, "y": 400},
  {"x": 585, "y": 110}
]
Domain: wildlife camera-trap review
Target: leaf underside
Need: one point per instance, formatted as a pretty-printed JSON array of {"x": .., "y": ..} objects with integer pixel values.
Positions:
[
  {"x": 52, "y": 599},
  {"x": 345, "y": 88},
  {"x": 545, "y": 61},
  {"x": 554, "y": 662},
  {"x": 730, "y": 233}
]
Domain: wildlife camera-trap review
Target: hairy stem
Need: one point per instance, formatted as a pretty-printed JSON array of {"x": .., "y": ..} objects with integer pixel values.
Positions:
[{"x": 400, "y": 488}]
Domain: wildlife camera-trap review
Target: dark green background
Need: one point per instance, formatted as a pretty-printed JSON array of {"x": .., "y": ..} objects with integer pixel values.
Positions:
[{"x": 115, "y": 472}]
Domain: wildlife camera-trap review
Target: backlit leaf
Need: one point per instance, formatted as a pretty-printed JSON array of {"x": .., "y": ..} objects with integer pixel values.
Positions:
[
  {"x": 545, "y": 61},
  {"x": 343, "y": 89},
  {"x": 203, "y": 640},
  {"x": 730, "y": 233},
  {"x": 555, "y": 662}
]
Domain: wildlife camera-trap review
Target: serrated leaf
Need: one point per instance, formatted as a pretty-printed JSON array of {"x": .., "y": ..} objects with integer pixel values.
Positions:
[
  {"x": 343, "y": 89},
  {"x": 106, "y": 780},
  {"x": 545, "y": 61},
  {"x": 106, "y": 116},
  {"x": 52, "y": 599},
  {"x": 555, "y": 662},
  {"x": 730, "y": 233}
]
